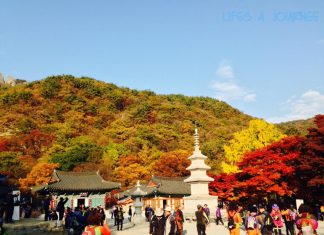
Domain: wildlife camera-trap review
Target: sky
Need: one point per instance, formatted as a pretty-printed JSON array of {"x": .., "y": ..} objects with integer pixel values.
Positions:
[{"x": 265, "y": 58}]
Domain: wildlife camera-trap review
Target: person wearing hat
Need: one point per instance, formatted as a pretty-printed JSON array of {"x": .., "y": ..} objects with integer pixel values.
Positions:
[
  {"x": 277, "y": 219},
  {"x": 157, "y": 223},
  {"x": 170, "y": 225},
  {"x": 202, "y": 220}
]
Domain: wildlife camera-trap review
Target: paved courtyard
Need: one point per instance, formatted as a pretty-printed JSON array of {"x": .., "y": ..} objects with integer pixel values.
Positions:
[{"x": 143, "y": 229}]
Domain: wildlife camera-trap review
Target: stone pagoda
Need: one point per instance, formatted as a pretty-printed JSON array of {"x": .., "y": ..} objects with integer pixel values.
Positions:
[{"x": 198, "y": 181}]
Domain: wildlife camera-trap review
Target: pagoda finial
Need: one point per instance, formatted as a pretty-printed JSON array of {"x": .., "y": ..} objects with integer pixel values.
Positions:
[{"x": 196, "y": 136}]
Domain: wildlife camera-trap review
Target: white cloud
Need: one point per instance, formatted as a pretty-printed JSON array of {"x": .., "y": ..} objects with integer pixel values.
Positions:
[
  {"x": 306, "y": 106},
  {"x": 321, "y": 41},
  {"x": 225, "y": 71},
  {"x": 226, "y": 87}
]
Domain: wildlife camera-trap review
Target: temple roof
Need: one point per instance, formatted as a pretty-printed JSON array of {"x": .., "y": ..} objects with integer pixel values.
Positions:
[
  {"x": 166, "y": 186},
  {"x": 79, "y": 181}
]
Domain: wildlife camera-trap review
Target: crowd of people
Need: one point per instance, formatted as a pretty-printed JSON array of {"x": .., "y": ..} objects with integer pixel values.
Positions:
[
  {"x": 77, "y": 221},
  {"x": 268, "y": 219},
  {"x": 258, "y": 219}
]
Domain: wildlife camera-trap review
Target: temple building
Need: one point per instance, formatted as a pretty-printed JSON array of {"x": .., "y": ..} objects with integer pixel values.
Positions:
[
  {"x": 161, "y": 191},
  {"x": 86, "y": 189}
]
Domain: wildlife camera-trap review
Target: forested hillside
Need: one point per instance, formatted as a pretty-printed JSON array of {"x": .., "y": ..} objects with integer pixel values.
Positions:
[{"x": 83, "y": 124}]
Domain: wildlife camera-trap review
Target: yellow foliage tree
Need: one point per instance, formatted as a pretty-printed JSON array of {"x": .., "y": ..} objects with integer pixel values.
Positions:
[
  {"x": 258, "y": 135},
  {"x": 40, "y": 174}
]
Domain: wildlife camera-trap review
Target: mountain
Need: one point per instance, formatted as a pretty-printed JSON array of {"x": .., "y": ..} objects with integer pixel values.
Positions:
[
  {"x": 298, "y": 127},
  {"x": 70, "y": 107},
  {"x": 84, "y": 124}
]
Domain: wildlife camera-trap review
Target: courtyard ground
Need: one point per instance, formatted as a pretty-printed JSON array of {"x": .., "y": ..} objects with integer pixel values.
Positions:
[{"x": 143, "y": 229}]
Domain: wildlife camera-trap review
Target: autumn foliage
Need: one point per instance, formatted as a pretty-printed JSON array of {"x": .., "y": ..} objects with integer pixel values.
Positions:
[
  {"x": 40, "y": 174},
  {"x": 291, "y": 166},
  {"x": 173, "y": 164}
]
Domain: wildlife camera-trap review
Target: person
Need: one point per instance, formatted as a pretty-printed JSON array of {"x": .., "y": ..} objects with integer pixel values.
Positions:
[
  {"x": 289, "y": 219},
  {"x": 60, "y": 207},
  {"x": 103, "y": 215},
  {"x": 206, "y": 210},
  {"x": 307, "y": 223},
  {"x": 147, "y": 213},
  {"x": 150, "y": 213},
  {"x": 253, "y": 222},
  {"x": 94, "y": 227},
  {"x": 277, "y": 219},
  {"x": 157, "y": 223},
  {"x": 267, "y": 227},
  {"x": 115, "y": 215},
  {"x": 219, "y": 215},
  {"x": 112, "y": 212},
  {"x": 78, "y": 223},
  {"x": 2, "y": 211},
  {"x": 202, "y": 220},
  {"x": 10, "y": 207},
  {"x": 130, "y": 213},
  {"x": 46, "y": 207},
  {"x": 170, "y": 225},
  {"x": 179, "y": 220},
  {"x": 234, "y": 219},
  {"x": 120, "y": 218}
]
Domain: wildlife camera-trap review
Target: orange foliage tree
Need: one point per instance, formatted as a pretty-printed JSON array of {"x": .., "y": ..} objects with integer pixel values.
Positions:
[
  {"x": 130, "y": 170},
  {"x": 32, "y": 143},
  {"x": 40, "y": 174},
  {"x": 269, "y": 170},
  {"x": 261, "y": 173},
  {"x": 292, "y": 166},
  {"x": 172, "y": 164}
]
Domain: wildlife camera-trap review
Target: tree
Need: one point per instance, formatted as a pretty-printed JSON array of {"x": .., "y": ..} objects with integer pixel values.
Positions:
[
  {"x": 40, "y": 174},
  {"x": 9, "y": 162},
  {"x": 172, "y": 164},
  {"x": 259, "y": 134},
  {"x": 80, "y": 151},
  {"x": 269, "y": 170},
  {"x": 3, "y": 144},
  {"x": 262, "y": 172},
  {"x": 310, "y": 166},
  {"x": 130, "y": 170},
  {"x": 34, "y": 143},
  {"x": 223, "y": 186}
]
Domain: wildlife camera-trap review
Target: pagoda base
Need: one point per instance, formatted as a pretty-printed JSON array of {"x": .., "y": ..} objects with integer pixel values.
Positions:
[{"x": 191, "y": 202}]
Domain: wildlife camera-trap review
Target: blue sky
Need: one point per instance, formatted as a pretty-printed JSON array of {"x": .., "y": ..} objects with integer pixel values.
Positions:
[{"x": 265, "y": 58}]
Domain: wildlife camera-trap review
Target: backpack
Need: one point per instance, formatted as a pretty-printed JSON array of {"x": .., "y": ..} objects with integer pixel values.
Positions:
[
  {"x": 231, "y": 223},
  {"x": 75, "y": 223},
  {"x": 91, "y": 230},
  {"x": 205, "y": 219},
  {"x": 292, "y": 215},
  {"x": 251, "y": 222},
  {"x": 119, "y": 215},
  {"x": 268, "y": 222}
]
